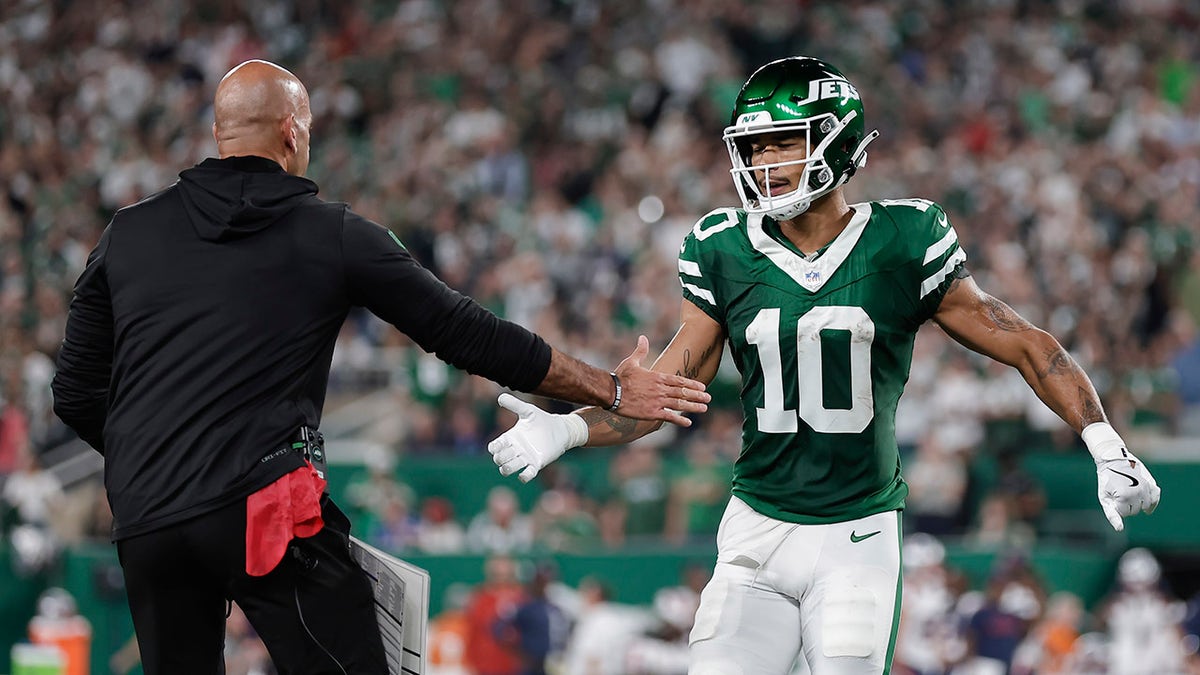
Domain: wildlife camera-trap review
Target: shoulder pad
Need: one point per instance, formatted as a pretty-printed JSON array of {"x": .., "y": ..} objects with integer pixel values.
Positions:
[{"x": 717, "y": 221}]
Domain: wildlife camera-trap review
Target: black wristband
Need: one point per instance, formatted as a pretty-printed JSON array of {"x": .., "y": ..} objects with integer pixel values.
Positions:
[{"x": 616, "y": 399}]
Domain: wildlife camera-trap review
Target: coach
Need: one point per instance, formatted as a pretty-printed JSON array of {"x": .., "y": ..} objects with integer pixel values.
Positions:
[{"x": 196, "y": 357}]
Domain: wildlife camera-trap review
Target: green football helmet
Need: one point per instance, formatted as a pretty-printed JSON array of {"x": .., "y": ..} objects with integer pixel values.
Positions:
[{"x": 804, "y": 97}]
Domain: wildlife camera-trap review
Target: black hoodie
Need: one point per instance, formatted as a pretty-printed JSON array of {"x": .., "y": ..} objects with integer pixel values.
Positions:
[{"x": 201, "y": 332}]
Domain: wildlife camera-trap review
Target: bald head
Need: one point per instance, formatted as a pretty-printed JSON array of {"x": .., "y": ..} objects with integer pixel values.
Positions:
[{"x": 261, "y": 109}]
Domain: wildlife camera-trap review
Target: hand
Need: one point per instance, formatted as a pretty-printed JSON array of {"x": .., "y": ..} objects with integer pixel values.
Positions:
[
  {"x": 537, "y": 438},
  {"x": 1124, "y": 484},
  {"x": 649, "y": 395}
]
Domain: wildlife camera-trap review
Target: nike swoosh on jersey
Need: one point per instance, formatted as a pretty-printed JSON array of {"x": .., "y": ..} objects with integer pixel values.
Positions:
[
  {"x": 1133, "y": 482},
  {"x": 942, "y": 221},
  {"x": 854, "y": 538}
]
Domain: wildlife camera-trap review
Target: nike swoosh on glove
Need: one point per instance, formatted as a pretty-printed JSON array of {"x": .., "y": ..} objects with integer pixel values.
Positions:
[
  {"x": 537, "y": 438},
  {"x": 1124, "y": 484}
]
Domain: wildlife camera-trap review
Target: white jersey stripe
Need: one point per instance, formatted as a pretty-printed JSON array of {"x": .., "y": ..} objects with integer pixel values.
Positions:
[
  {"x": 934, "y": 280},
  {"x": 689, "y": 268},
  {"x": 940, "y": 247},
  {"x": 701, "y": 293}
]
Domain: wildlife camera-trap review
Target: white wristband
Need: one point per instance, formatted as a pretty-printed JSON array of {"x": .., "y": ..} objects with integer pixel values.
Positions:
[
  {"x": 577, "y": 430},
  {"x": 1103, "y": 442}
]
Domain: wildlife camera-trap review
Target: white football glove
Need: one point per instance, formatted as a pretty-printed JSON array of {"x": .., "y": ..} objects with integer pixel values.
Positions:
[
  {"x": 1125, "y": 486},
  {"x": 537, "y": 438}
]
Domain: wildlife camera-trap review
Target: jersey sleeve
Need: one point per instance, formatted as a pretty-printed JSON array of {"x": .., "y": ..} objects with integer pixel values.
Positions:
[
  {"x": 699, "y": 285},
  {"x": 940, "y": 260}
]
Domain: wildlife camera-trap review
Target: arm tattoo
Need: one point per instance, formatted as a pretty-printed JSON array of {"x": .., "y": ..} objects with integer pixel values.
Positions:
[
  {"x": 623, "y": 426},
  {"x": 1004, "y": 317},
  {"x": 1092, "y": 412},
  {"x": 1059, "y": 362},
  {"x": 693, "y": 369}
]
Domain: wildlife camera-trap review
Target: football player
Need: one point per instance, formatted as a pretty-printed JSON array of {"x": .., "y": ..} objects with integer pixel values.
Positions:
[{"x": 820, "y": 302}]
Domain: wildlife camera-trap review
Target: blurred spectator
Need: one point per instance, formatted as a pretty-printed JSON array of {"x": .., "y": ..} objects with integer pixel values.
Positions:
[
  {"x": 929, "y": 639},
  {"x": 1144, "y": 623},
  {"x": 1046, "y": 650},
  {"x": 448, "y": 633},
  {"x": 14, "y": 429},
  {"x": 438, "y": 532},
  {"x": 663, "y": 650},
  {"x": 491, "y": 642},
  {"x": 603, "y": 631},
  {"x": 562, "y": 523},
  {"x": 462, "y": 432},
  {"x": 699, "y": 492},
  {"x": 1186, "y": 364},
  {"x": 501, "y": 527},
  {"x": 395, "y": 529},
  {"x": 637, "y": 506},
  {"x": 1090, "y": 656},
  {"x": 32, "y": 492},
  {"x": 937, "y": 483},
  {"x": 369, "y": 498},
  {"x": 1021, "y": 489},
  {"x": 997, "y": 528},
  {"x": 540, "y": 625},
  {"x": 1012, "y": 601}
]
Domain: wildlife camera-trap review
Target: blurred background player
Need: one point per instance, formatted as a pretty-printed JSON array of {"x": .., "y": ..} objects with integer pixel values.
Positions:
[{"x": 1144, "y": 623}]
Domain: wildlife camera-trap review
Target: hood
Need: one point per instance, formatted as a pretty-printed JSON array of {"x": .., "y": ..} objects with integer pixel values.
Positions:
[{"x": 238, "y": 196}]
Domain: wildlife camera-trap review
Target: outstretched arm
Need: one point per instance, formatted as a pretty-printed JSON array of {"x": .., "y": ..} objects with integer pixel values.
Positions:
[
  {"x": 539, "y": 438},
  {"x": 990, "y": 327},
  {"x": 384, "y": 277}
]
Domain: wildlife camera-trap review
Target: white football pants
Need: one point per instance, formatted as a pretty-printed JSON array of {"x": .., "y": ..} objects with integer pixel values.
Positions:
[{"x": 832, "y": 591}]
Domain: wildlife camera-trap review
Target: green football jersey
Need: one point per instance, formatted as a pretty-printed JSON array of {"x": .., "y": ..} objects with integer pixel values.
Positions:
[{"x": 824, "y": 346}]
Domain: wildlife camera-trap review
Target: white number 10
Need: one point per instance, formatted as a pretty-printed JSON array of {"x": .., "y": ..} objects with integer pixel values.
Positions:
[{"x": 773, "y": 418}]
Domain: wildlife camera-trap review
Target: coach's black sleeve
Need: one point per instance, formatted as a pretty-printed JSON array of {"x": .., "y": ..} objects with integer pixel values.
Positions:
[
  {"x": 383, "y": 277},
  {"x": 84, "y": 371}
]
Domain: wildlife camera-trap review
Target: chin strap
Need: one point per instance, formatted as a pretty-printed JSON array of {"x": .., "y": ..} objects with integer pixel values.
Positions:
[{"x": 791, "y": 211}]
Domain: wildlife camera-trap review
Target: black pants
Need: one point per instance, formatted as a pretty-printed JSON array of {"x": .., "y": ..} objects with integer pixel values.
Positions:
[{"x": 315, "y": 612}]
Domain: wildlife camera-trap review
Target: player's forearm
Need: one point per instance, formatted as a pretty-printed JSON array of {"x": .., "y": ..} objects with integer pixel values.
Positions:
[
  {"x": 1060, "y": 383},
  {"x": 606, "y": 428},
  {"x": 570, "y": 379}
]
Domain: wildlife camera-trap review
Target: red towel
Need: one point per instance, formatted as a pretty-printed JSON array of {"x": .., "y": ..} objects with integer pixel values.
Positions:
[{"x": 288, "y": 508}]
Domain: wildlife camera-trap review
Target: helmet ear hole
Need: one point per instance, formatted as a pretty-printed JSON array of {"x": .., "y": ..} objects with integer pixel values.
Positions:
[{"x": 820, "y": 178}]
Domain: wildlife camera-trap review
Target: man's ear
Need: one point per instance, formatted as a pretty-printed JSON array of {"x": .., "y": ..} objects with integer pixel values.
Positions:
[
  {"x": 289, "y": 133},
  {"x": 214, "y": 130}
]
